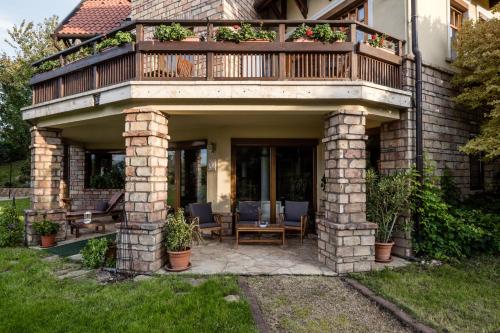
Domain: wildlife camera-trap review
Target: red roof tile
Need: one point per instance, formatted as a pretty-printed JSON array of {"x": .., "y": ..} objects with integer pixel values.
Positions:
[{"x": 93, "y": 17}]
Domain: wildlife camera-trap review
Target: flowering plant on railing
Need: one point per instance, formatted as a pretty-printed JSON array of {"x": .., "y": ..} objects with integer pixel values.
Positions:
[
  {"x": 377, "y": 40},
  {"x": 173, "y": 32},
  {"x": 245, "y": 32},
  {"x": 47, "y": 66},
  {"x": 320, "y": 32},
  {"x": 120, "y": 38}
]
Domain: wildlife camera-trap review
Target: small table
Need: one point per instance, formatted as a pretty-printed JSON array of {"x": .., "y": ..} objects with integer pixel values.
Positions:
[
  {"x": 254, "y": 228},
  {"x": 77, "y": 224}
]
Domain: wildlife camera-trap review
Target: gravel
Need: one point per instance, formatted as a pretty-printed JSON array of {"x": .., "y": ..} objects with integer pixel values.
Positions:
[{"x": 318, "y": 304}]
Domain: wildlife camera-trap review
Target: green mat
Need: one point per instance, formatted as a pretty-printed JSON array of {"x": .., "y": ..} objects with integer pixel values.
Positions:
[{"x": 67, "y": 250}]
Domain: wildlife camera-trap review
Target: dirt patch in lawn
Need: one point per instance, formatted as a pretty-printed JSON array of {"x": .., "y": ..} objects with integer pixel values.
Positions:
[{"x": 318, "y": 304}]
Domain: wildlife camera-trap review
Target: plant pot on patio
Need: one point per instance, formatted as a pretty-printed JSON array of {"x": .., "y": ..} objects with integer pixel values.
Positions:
[
  {"x": 179, "y": 236},
  {"x": 47, "y": 230},
  {"x": 383, "y": 252},
  {"x": 47, "y": 241},
  {"x": 179, "y": 260}
]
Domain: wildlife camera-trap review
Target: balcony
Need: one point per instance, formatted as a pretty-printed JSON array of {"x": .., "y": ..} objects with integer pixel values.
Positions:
[{"x": 283, "y": 59}]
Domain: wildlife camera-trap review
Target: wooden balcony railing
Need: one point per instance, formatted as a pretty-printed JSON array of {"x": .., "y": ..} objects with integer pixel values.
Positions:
[{"x": 283, "y": 59}]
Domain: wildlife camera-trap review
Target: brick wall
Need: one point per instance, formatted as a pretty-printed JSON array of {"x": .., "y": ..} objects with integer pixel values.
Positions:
[
  {"x": 83, "y": 198},
  {"x": 193, "y": 9}
]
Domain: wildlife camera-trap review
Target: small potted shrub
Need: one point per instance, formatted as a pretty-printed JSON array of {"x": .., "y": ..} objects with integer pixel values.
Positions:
[
  {"x": 120, "y": 38},
  {"x": 47, "y": 230},
  {"x": 321, "y": 32},
  {"x": 179, "y": 236},
  {"x": 99, "y": 252},
  {"x": 387, "y": 198},
  {"x": 174, "y": 32},
  {"x": 244, "y": 33}
]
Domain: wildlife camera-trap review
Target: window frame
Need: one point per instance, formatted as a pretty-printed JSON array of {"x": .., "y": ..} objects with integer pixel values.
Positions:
[{"x": 87, "y": 165}]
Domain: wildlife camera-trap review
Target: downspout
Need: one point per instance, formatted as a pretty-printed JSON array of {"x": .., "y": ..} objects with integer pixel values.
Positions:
[{"x": 419, "y": 150}]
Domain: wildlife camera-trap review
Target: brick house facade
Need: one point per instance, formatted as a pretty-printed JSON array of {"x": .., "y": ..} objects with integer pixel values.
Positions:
[{"x": 157, "y": 124}]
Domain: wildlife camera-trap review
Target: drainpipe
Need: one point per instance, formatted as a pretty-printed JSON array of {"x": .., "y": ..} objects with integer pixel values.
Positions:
[{"x": 419, "y": 150}]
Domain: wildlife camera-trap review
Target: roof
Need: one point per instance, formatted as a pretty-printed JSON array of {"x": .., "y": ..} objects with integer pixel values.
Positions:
[{"x": 94, "y": 17}]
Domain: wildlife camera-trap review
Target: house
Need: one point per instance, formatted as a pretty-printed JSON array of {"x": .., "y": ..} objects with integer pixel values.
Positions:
[{"x": 223, "y": 122}]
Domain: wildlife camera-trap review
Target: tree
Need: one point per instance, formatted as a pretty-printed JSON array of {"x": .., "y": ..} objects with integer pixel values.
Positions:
[
  {"x": 30, "y": 42},
  {"x": 478, "y": 81}
]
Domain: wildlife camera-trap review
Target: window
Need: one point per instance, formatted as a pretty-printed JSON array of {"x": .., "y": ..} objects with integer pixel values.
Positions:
[
  {"x": 105, "y": 169},
  {"x": 476, "y": 169},
  {"x": 358, "y": 12},
  {"x": 457, "y": 12}
]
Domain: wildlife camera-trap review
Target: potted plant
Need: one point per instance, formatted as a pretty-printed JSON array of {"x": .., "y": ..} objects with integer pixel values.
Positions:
[
  {"x": 175, "y": 32},
  {"x": 179, "y": 235},
  {"x": 47, "y": 230},
  {"x": 380, "y": 42},
  {"x": 244, "y": 33},
  {"x": 120, "y": 38},
  {"x": 321, "y": 32},
  {"x": 387, "y": 198}
]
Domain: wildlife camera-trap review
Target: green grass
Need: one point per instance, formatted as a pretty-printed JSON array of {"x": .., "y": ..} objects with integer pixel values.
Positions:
[
  {"x": 457, "y": 298},
  {"x": 34, "y": 300},
  {"x": 16, "y": 172},
  {"x": 21, "y": 205}
]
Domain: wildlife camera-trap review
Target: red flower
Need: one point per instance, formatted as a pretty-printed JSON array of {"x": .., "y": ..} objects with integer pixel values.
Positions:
[
  {"x": 236, "y": 27},
  {"x": 374, "y": 37},
  {"x": 309, "y": 32}
]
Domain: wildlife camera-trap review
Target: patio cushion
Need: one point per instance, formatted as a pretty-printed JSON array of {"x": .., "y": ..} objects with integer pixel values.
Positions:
[
  {"x": 203, "y": 211},
  {"x": 209, "y": 225},
  {"x": 101, "y": 206},
  {"x": 292, "y": 224},
  {"x": 249, "y": 210},
  {"x": 295, "y": 209}
]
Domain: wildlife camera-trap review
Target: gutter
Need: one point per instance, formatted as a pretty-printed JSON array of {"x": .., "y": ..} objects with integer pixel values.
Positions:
[{"x": 419, "y": 150}]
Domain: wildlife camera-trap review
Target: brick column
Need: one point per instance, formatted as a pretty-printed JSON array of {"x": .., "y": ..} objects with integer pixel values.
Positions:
[
  {"x": 46, "y": 172},
  {"x": 146, "y": 140},
  {"x": 346, "y": 240}
]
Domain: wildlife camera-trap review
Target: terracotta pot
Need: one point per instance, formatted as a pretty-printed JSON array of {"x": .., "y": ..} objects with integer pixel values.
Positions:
[
  {"x": 191, "y": 39},
  {"x": 304, "y": 40},
  {"x": 48, "y": 241},
  {"x": 383, "y": 252},
  {"x": 179, "y": 260}
]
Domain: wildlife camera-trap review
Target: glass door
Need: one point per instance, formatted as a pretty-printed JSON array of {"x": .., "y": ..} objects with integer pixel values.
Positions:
[{"x": 187, "y": 174}]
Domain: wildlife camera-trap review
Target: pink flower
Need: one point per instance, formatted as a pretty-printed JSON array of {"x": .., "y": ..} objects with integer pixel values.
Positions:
[
  {"x": 374, "y": 37},
  {"x": 236, "y": 27},
  {"x": 309, "y": 32}
]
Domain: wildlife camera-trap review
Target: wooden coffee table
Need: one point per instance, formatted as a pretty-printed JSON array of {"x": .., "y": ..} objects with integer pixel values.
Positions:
[{"x": 254, "y": 228}]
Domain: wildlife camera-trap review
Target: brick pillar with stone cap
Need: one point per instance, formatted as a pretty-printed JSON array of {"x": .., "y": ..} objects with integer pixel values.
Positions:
[
  {"x": 346, "y": 240},
  {"x": 146, "y": 140}
]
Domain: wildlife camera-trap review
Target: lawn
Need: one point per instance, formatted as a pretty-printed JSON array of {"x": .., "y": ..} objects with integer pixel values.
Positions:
[
  {"x": 21, "y": 205},
  {"x": 457, "y": 298},
  {"x": 34, "y": 300}
]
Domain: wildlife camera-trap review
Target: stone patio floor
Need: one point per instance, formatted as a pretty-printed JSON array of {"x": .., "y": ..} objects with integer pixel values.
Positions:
[{"x": 212, "y": 257}]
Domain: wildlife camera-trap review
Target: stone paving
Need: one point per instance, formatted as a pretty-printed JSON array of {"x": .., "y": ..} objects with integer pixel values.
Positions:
[{"x": 212, "y": 257}]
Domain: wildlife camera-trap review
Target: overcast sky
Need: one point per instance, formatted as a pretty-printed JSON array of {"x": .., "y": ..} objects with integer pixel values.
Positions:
[{"x": 15, "y": 11}]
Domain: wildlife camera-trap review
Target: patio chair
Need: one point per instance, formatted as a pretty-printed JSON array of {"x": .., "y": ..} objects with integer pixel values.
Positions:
[
  {"x": 102, "y": 209},
  {"x": 295, "y": 217},
  {"x": 248, "y": 212},
  {"x": 206, "y": 220}
]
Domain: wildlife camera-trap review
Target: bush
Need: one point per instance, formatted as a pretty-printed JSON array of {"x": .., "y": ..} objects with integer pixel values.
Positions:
[
  {"x": 46, "y": 227},
  {"x": 11, "y": 227},
  {"x": 242, "y": 33},
  {"x": 321, "y": 32},
  {"x": 450, "y": 232},
  {"x": 178, "y": 233},
  {"x": 94, "y": 252},
  {"x": 120, "y": 38}
]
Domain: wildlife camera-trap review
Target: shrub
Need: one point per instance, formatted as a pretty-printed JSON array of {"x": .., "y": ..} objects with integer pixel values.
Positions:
[
  {"x": 387, "y": 198},
  {"x": 46, "y": 227},
  {"x": 94, "y": 253},
  {"x": 11, "y": 227},
  {"x": 452, "y": 232},
  {"x": 179, "y": 234},
  {"x": 173, "y": 32},
  {"x": 242, "y": 33},
  {"x": 118, "y": 39},
  {"x": 321, "y": 32},
  {"x": 48, "y": 65}
]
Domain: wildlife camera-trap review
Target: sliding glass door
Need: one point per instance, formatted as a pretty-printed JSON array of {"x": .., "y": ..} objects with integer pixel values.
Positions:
[
  {"x": 273, "y": 171},
  {"x": 187, "y": 173}
]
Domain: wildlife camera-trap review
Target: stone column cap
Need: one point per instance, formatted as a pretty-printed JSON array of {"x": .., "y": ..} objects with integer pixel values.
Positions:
[
  {"x": 141, "y": 226},
  {"x": 345, "y": 137},
  {"x": 349, "y": 226}
]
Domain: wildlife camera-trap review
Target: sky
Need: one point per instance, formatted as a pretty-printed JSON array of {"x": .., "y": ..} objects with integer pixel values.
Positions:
[{"x": 13, "y": 12}]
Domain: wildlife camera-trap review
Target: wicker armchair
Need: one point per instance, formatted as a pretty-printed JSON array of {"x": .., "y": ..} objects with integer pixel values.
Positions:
[{"x": 202, "y": 215}]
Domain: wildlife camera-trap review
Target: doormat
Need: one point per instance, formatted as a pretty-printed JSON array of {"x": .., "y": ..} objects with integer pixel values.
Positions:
[{"x": 70, "y": 249}]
